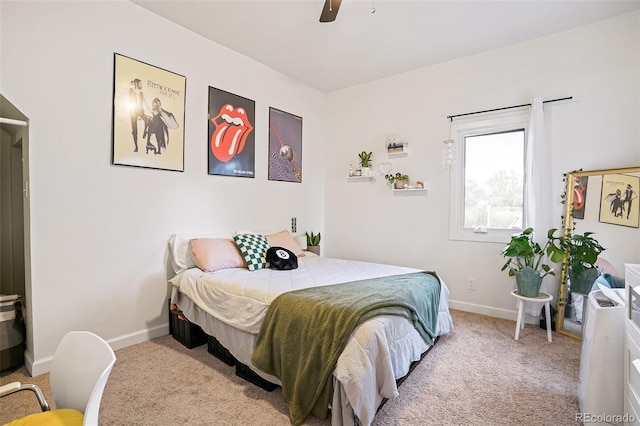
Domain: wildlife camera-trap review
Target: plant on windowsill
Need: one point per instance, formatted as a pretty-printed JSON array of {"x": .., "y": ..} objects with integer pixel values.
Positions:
[
  {"x": 528, "y": 261},
  {"x": 313, "y": 242},
  {"x": 398, "y": 180}
]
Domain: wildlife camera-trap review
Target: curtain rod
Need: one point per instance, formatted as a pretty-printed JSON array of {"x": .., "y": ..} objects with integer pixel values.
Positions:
[{"x": 451, "y": 117}]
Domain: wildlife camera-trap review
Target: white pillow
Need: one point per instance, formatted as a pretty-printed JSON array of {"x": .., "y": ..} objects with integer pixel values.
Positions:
[{"x": 180, "y": 249}]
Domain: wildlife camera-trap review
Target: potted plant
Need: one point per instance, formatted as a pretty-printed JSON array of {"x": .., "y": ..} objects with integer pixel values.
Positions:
[
  {"x": 527, "y": 259},
  {"x": 398, "y": 179},
  {"x": 365, "y": 162},
  {"x": 313, "y": 242},
  {"x": 583, "y": 251}
]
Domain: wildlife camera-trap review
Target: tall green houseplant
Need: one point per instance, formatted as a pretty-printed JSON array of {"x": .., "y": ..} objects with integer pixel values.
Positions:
[
  {"x": 527, "y": 259},
  {"x": 582, "y": 251}
]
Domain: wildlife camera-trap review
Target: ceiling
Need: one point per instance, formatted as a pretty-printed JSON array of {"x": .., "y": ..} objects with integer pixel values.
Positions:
[{"x": 360, "y": 46}]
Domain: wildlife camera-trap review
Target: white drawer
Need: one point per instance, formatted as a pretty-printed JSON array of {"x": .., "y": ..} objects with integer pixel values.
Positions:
[
  {"x": 631, "y": 412},
  {"x": 632, "y": 274},
  {"x": 632, "y": 293},
  {"x": 632, "y": 370}
]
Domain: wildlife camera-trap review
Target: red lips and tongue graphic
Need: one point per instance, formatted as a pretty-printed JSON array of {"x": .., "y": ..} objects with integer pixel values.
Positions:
[{"x": 232, "y": 129}]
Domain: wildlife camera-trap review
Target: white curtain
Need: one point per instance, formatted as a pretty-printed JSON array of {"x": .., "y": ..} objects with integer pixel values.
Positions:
[
  {"x": 538, "y": 174},
  {"x": 538, "y": 185}
]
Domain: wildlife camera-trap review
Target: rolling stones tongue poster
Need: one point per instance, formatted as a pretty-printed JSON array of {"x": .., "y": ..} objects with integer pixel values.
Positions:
[{"x": 231, "y": 142}]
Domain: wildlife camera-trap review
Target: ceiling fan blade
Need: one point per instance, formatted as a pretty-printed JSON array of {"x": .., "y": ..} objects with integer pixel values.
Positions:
[{"x": 330, "y": 10}]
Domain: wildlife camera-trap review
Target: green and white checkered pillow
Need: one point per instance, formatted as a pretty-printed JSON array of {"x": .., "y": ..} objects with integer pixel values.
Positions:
[{"x": 253, "y": 248}]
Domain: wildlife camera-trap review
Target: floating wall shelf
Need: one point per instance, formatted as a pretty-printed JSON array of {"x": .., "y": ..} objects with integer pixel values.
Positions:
[
  {"x": 402, "y": 151},
  {"x": 397, "y": 154},
  {"x": 410, "y": 191},
  {"x": 359, "y": 178}
]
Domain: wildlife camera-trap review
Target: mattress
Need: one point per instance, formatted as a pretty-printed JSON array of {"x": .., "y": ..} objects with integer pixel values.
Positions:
[{"x": 230, "y": 304}]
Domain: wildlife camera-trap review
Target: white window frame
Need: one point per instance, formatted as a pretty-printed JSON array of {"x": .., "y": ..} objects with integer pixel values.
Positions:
[{"x": 461, "y": 128}]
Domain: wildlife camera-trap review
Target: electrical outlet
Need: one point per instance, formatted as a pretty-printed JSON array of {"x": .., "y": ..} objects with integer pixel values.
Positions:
[
  {"x": 471, "y": 284},
  {"x": 294, "y": 225}
]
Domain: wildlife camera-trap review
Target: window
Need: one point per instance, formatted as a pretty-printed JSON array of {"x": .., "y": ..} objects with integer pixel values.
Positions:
[{"x": 487, "y": 178}]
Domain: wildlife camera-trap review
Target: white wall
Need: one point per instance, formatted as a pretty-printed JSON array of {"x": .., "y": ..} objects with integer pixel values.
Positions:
[
  {"x": 99, "y": 232},
  {"x": 597, "y": 64}
]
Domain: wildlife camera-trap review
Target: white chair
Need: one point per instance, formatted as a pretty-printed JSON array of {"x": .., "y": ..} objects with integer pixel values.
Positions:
[{"x": 79, "y": 371}]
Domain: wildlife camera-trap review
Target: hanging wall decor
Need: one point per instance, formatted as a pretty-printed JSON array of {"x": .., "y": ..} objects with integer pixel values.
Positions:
[
  {"x": 285, "y": 146},
  {"x": 231, "y": 142},
  {"x": 148, "y": 116},
  {"x": 619, "y": 200}
]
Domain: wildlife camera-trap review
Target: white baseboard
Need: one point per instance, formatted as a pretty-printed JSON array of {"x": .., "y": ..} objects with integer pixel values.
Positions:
[
  {"x": 139, "y": 336},
  {"x": 43, "y": 366},
  {"x": 28, "y": 362},
  {"x": 492, "y": 312},
  {"x": 39, "y": 367}
]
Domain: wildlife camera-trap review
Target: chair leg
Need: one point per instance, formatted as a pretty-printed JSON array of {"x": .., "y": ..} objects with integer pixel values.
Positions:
[{"x": 18, "y": 387}]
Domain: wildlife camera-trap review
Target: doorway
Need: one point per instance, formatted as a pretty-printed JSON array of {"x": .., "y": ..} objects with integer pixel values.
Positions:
[{"x": 15, "y": 277}]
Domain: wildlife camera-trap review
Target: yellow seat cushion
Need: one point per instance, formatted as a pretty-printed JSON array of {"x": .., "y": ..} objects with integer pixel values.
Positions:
[{"x": 61, "y": 417}]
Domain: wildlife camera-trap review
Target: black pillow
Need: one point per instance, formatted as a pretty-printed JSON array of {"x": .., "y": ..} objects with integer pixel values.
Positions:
[{"x": 281, "y": 258}]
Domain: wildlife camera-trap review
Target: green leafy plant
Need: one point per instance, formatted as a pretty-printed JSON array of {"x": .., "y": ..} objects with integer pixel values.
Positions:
[
  {"x": 365, "y": 158},
  {"x": 522, "y": 251},
  {"x": 398, "y": 177},
  {"x": 583, "y": 251},
  {"x": 313, "y": 239}
]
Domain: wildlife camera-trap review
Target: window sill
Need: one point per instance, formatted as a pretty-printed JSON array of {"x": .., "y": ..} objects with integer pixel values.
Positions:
[{"x": 490, "y": 236}]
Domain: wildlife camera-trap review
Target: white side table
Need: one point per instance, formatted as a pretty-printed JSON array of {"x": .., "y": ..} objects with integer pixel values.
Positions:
[{"x": 540, "y": 298}]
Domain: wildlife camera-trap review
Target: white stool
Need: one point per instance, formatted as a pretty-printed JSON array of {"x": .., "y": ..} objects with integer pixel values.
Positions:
[{"x": 540, "y": 298}]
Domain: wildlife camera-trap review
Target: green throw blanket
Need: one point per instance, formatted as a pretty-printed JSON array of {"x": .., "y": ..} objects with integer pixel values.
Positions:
[{"x": 305, "y": 331}]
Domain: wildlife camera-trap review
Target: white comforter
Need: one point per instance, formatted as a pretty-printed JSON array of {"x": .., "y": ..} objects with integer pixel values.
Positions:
[{"x": 378, "y": 352}]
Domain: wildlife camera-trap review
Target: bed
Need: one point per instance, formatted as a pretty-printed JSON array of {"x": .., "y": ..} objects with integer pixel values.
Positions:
[{"x": 216, "y": 289}]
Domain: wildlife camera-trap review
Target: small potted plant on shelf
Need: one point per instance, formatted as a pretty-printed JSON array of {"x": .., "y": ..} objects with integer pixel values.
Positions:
[
  {"x": 399, "y": 180},
  {"x": 583, "y": 251},
  {"x": 526, "y": 259},
  {"x": 313, "y": 242},
  {"x": 365, "y": 162}
]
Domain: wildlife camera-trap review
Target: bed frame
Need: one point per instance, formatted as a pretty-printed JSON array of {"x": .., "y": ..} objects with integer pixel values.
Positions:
[
  {"x": 191, "y": 335},
  {"x": 196, "y": 327}
]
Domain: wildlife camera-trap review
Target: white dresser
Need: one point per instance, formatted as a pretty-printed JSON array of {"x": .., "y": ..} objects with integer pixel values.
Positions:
[
  {"x": 632, "y": 346},
  {"x": 600, "y": 380}
]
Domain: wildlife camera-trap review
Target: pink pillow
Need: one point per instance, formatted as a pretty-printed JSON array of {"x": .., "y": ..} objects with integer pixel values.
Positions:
[
  {"x": 214, "y": 254},
  {"x": 606, "y": 267},
  {"x": 284, "y": 239}
]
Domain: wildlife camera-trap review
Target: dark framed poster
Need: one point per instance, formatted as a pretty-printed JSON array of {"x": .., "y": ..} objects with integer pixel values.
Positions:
[
  {"x": 148, "y": 116},
  {"x": 619, "y": 205},
  {"x": 285, "y": 146},
  {"x": 231, "y": 142}
]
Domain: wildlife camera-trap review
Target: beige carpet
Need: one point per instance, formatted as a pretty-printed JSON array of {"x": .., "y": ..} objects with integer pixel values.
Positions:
[{"x": 477, "y": 375}]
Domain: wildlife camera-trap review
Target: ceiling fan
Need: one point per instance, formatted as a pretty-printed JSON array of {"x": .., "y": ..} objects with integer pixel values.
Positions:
[{"x": 330, "y": 10}]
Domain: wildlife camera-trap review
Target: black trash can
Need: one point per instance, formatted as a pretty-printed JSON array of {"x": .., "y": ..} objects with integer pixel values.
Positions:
[{"x": 12, "y": 332}]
